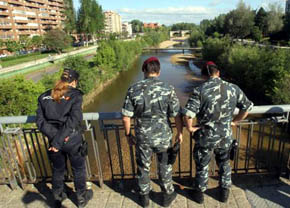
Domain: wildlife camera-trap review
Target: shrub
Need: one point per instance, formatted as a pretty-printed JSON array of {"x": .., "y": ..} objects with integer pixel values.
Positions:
[{"x": 19, "y": 96}]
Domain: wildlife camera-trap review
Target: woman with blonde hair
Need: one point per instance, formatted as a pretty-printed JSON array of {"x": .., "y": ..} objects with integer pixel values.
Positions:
[{"x": 59, "y": 117}]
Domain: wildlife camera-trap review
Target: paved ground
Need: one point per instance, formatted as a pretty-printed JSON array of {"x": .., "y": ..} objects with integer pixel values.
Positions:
[{"x": 247, "y": 192}]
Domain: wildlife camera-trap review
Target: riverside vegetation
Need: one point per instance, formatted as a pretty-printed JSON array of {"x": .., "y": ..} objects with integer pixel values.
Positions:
[{"x": 18, "y": 96}]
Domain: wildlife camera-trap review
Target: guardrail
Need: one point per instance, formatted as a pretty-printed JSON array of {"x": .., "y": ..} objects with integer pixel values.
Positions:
[{"x": 263, "y": 148}]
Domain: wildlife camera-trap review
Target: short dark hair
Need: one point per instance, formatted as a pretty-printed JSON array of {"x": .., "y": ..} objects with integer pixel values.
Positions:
[
  {"x": 152, "y": 67},
  {"x": 209, "y": 69}
]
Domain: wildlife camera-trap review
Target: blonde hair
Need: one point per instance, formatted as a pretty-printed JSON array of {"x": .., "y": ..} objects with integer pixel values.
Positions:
[{"x": 59, "y": 90}]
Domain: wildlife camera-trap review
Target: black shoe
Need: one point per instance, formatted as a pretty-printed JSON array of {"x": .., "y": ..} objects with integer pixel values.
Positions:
[
  {"x": 224, "y": 194},
  {"x": 168, "y": 198},
  {"x": 58, "y": 198},
  {"x": 84, "y": 197},
  {"x": 144, "y": 200},
  {"x": 198, "y": 196}
]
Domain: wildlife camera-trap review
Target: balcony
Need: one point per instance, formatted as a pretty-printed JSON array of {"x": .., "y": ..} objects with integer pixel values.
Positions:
[
  {"x": 5, "y": 26},
  {"x": 20, "y": 2},
  {"x": 4, "y": 13}
]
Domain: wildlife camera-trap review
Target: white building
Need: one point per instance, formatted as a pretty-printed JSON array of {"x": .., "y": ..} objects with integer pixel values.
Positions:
[
  {"x": 287, "y": 8},
  {"x": 127, "y": 28},
  {"x": 112, "y": 22}
]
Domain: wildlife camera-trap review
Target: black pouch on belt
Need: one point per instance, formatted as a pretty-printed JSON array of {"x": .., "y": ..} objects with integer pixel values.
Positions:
[
  {"x": 172, "y": 153},
  {"x": 84, "y": 147}
]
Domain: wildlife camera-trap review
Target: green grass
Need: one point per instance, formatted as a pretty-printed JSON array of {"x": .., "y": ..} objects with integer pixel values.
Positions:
[{"x": 11, "y": 61}]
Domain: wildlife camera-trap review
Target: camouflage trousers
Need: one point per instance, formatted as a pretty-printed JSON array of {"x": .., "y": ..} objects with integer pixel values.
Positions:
[
  {"x": 202, "y": 157},
  {"x": 144, "y": 154}
]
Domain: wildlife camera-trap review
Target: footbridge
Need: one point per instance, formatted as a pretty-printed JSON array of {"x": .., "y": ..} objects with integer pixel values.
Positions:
[
  {"x": 175, "y": 49},
  {"x": 179, "y": 33},
  {"x": 263, "y": 150}
]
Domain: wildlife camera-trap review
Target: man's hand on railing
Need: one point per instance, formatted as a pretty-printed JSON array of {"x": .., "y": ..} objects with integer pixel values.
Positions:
[
  {"x": 131, "y": 139},
  {"x": 53, "y": 149},
  {"x": 193, "y": 129},
  {"x": 178, "y": 138}
]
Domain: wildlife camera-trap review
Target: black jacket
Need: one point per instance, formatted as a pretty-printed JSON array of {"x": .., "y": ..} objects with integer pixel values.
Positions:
[{"x": 59, "y": 120}]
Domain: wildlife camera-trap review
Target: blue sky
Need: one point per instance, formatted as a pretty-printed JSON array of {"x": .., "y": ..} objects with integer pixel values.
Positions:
[{"x": 173, "y": 11}]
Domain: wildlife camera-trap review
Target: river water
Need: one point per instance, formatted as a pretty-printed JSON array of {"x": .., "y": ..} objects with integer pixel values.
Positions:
[{"x": 112, "y": 97}]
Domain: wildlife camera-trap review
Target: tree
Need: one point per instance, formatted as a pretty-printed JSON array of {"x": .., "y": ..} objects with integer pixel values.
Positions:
[
  {"x": 286, "y": 28},
  {"x": 90, "y": 19},
  {"x": 183, "y": 26},
  {"x": 21, "y": 99},
  {"x": 239, "y": 22},
  {"x": 257, "y": 34},
  {"x": 37, "y": 41},
  {"x": 57, "y": 40},
  {"x": 25, "y": 42},
  {"x": 70, "y": 20},
  {"x": 275, "y": 18},
  {"x": 137, "y": 26},
  {"x": 105, "y": 56},
  {"x": 13, "y": 46},
  {"x": 261, "y": 19}
]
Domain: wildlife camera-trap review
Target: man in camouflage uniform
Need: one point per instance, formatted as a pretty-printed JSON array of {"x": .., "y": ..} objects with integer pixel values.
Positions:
[
  {"x": 152, "y": 102},
  {"x": 213, "y": 103}
]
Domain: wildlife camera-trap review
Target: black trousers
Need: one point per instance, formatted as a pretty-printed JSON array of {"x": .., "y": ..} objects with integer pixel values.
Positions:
[{"x": 77, "y": 162}]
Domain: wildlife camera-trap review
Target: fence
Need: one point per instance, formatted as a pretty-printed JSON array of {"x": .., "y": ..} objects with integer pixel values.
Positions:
[{"x": 263, "y": 148}]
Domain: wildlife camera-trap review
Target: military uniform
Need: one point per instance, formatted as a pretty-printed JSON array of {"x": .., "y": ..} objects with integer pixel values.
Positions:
[
  {"x": 152, "y": 102},
  {"x": 213, "y": 103}
]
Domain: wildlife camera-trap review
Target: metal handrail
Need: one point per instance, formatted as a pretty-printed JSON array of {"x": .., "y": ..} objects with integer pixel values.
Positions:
[{"x": 264, "y": 109}]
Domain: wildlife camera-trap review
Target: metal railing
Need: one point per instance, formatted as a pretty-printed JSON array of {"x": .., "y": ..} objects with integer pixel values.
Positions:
[{"x": 263, "y": 148}]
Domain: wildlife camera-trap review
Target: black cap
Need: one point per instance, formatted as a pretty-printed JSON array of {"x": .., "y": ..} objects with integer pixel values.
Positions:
[{"x": 69, "y": 75}]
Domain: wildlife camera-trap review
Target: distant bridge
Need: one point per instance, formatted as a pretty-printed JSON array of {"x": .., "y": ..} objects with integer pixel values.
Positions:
[
  {"x": 165, "y": 50},
  {"x": 180, "y": 33}
]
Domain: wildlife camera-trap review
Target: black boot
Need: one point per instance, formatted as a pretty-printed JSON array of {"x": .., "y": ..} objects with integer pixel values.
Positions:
[
  {"x": 198, "y": 196},
  {"x": 144, "y": 200},
  {"x": 58, "y": 198},
  {"x": 224, "y": 194},
  {"x": 168, "y": 198},
  {"x": 84, "y": 197}
]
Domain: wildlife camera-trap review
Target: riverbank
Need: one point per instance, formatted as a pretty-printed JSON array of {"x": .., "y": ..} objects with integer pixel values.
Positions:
[
  {"x": 172, "y": 42},
  {"x": 91, "y": 95}
]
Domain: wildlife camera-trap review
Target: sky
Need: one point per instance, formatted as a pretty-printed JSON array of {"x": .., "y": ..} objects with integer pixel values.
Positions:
[{"x": 169, "y": 12}]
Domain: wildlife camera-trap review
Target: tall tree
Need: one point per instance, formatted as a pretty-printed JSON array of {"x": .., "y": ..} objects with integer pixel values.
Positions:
[
  {"x": 137, "y": 26},
  {"x": 70, "y": 21},
  {"x": 261, "y": 19},
  {"x": 90, "y": 18},
  {"x": 239, "y": 22},
  {"x": 275, "y": 18}
]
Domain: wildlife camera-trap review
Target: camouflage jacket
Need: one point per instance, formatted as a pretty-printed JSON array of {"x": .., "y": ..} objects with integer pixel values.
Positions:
[
  {"x": 151, "y": 102},
  {"x": 213, "y": 103}
]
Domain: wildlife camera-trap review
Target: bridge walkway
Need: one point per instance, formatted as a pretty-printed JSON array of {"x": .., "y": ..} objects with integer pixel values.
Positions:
[{"x": 247, "y": 191}]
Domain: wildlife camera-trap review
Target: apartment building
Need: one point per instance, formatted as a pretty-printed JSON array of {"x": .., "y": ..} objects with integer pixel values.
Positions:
[
  {"x": 287, "y": 8},
  {"x": 112, "y": 22},
  {"x": 127, "y": 28},
  {"x": 151, "y": 25},
  {"x": 29, "y": 17}
]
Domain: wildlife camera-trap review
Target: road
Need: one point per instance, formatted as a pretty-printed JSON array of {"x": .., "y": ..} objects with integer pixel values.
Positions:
[{"x": 37, "y": 75}]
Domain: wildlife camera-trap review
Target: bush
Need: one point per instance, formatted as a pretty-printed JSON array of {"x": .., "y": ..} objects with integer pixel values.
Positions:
[
  {"x": 214, "y": 48},
  {"x": 88, "y": 75},
  {"x": 19, "y": 96},
  {"x": 105, "y": 55}
]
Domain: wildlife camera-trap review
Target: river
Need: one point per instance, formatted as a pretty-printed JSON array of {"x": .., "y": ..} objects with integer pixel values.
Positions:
[{"x": 112, "y": 97}]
